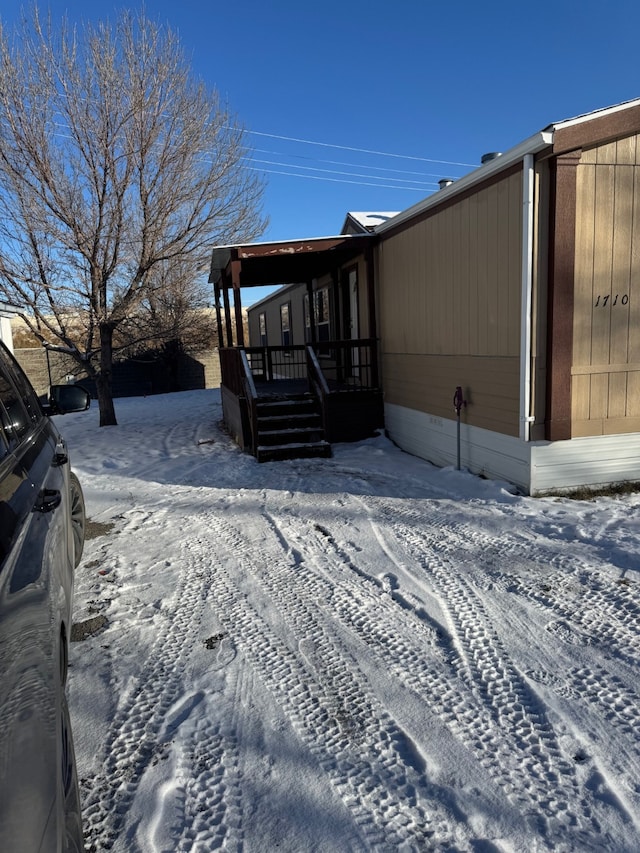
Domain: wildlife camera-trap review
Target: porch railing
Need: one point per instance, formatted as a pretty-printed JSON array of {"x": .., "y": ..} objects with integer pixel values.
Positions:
[
  {"x": 270, "y": 363},
  {"x": 334, "y": 372},
  {"x": 345, "y": 365},
  {"x": 319, "y": 386},
  {"x": 252, "y": 399}
]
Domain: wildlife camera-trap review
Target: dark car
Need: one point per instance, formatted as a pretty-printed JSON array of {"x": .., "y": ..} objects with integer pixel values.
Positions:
[{"x": 42, "y": 521}]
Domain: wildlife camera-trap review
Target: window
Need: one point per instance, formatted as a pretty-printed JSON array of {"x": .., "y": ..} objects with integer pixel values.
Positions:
[
  {"x": 285, "y": 324},
  {"x": 26, "y": 393},
  {"x": 321, "y": 317},
  {"x": 14, "y": 420},
  {"x": 322, "y": 313},
  {"x": 262, "y": 329}
]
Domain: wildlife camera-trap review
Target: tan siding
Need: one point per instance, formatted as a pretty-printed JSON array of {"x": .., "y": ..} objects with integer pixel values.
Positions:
[
  {"x": 606, "y": 349},
  {"x": 584, "y": 266},
  {"x": 634, "y": 273},
  {"x": 626, "y": 151},
  {"x": 449, "y": 290},
  {"x": 515, "y": 251},
  {"x": 581, "y": 397},
  {"x": 602, "y": 262},
  {"x": 599, "y": 397},
  {"x": 495, "y": 229},
  {"x": 473, "y": 344},
  {"x": 428, "y": 383},
  {"x": 617, "y": 402},
  {"x": 633, "y": 399}
]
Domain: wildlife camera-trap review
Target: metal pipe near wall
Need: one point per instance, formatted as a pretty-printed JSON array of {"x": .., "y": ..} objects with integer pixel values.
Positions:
[
  {"x": 458, "y": 403},
  {"x": 528, "y": 194}
]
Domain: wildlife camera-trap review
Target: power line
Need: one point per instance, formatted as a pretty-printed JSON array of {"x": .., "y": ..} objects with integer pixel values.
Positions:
[
  {"x": 419, "y": 184},
  {"x": 360, "y": 150},
  {"x": 343, "y": 163},
  {"x": 335, "y": 180}
]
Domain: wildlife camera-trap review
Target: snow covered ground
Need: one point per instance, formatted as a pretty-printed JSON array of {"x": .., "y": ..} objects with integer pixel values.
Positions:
[{"x": 364, "y": 653}]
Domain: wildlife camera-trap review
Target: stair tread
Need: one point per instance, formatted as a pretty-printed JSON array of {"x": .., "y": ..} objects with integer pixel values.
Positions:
[
  {"x": 289, "y": 430},
  {"x": 294, "y": 444}
]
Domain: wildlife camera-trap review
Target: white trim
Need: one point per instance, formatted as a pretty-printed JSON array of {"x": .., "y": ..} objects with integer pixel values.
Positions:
[
  {"x": 527, "y": 289},
  {"x": 496, "y": 456},
  {"x": 605, "y": 111},
  {"x": 536, "y": 467},
  {"x": 592, "y": 462}
]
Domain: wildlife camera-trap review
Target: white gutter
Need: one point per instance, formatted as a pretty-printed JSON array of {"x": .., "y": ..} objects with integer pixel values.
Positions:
[{"x": 528, "y": 191}]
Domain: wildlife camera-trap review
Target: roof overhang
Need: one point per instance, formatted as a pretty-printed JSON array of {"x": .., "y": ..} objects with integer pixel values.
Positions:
[{"x": 289, "y": 262}]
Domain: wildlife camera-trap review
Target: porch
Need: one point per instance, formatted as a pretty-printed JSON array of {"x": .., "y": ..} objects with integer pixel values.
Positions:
[
  {"x": 289, "y": 402},
  {"x": 314, "y": 388}
]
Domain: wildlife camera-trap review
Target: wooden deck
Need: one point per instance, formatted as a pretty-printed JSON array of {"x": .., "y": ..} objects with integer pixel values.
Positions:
[{"x": 276, "y": 417}]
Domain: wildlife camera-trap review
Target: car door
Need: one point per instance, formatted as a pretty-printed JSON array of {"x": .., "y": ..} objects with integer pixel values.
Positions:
[{"x": 34, "y": 557}]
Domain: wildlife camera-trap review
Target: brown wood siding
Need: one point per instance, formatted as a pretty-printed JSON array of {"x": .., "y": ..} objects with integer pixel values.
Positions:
[
  {"x": 449, "y": 295},
  {"x": 606, "y": 350}
]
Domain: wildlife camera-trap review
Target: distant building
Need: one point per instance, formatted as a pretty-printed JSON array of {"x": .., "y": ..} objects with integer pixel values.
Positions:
[{"x": 7, "y": 312}]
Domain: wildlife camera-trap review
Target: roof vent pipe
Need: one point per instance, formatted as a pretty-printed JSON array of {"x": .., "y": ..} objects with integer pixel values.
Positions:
[
  {"x": 487, "y": 158},
  {"x": 444, "y": 182}
]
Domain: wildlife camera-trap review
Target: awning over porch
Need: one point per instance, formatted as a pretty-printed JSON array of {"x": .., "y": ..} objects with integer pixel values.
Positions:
[{"x": 279, "y": 263}]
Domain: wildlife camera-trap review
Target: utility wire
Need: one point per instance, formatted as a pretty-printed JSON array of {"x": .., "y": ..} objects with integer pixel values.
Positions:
[
  {"x": 359, "y": 150},
  {"x": 419, "y": 184},
  {"x": 335, "y": 180},
  {"x": 343, "y": 163}
]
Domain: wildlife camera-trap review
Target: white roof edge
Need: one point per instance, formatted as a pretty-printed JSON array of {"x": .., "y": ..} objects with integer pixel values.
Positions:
[
  {"x": 533, "y": 145},
  {"x": 625, "y": 105},
  {"x": 292, "y": 240}
]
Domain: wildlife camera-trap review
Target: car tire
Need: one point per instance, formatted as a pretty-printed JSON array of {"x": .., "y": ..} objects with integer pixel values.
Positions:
[{"x": 78, "y": 517}]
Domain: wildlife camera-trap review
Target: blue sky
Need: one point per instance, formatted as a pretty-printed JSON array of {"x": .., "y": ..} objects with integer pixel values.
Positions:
[{"x": 317, "y": 85}]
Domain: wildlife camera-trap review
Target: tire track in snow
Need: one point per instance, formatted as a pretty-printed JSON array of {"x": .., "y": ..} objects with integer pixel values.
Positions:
[
  {"x": 592, "y": 612},
  {"x": 600, "y": 610},
  {"x": 369, "y": 760},
  {"x": 511, "y": 735},
  {"x": 603, "y": 612}
]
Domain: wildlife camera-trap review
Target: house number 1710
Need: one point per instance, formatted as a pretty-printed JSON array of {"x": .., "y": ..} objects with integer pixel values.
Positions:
[{"x": 603, "y": 301}]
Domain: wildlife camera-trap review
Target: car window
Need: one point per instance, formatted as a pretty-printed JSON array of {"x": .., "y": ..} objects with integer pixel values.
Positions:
[
  {"x": 25, "y": 390},
  {"x": 13, "y": 416}
]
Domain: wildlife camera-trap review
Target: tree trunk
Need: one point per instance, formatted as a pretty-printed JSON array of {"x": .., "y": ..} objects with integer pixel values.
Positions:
[{"x": 104, "y": 377}]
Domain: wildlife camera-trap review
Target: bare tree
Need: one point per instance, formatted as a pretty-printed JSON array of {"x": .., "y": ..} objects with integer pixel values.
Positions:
[
  {"x": 118, "y": 171},
  {"x": 174, "y": 311}
]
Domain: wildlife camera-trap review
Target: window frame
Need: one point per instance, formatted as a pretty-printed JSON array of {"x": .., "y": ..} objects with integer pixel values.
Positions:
[
  {"x": 286, "y": 334},
  {"x": 262, "y": 328}
]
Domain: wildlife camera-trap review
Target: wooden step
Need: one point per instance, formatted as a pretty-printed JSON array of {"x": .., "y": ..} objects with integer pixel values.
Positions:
[
  {"x": 289, "y": 421},
  {"x": 295, "y": 435},
  {"x": 290, "y": 428},
  {"x": 305, "y": 450}
]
